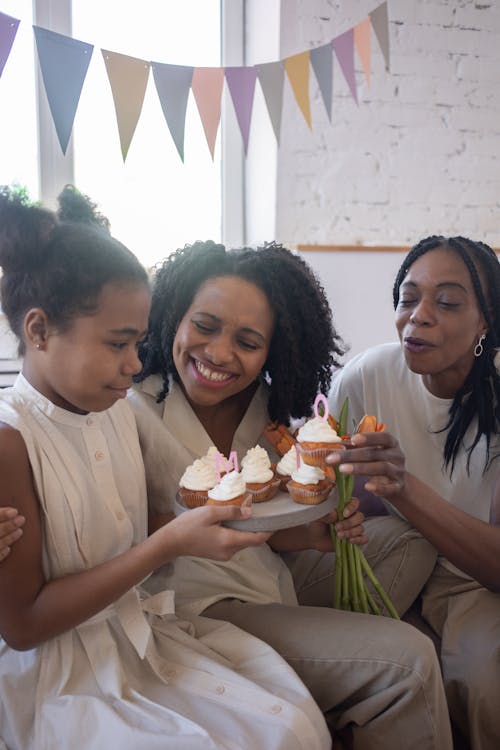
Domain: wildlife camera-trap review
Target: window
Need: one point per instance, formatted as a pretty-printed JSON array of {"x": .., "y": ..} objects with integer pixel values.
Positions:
[{"x": 155, "y": 203}]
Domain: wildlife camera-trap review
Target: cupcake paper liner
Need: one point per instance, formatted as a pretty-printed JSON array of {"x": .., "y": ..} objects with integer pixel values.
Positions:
[
  {"x": 308, "y": 497},
  {"x": 263, "y": 492},
  {"x": 242, "y": 501},
  {"x": 317, "y": 456},
  {"x": 192, "y": 498}
]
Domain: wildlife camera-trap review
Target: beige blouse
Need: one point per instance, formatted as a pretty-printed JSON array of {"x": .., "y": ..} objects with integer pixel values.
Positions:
[{"x": 172, "y": 437}]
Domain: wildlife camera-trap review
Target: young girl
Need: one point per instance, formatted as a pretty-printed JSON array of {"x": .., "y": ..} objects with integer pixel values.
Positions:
[{"x": 103, "y": 663}]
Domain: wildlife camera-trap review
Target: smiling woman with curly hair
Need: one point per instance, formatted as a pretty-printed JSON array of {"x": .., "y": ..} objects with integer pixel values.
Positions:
[
  {"x": 237, "y": 338},
  {"x": 304, "y": 346}
]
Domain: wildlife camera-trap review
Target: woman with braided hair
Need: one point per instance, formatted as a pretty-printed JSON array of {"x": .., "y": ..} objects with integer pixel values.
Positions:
[
  {"x": 236, "y": 338},
  {"x": 438, "y": 465}
]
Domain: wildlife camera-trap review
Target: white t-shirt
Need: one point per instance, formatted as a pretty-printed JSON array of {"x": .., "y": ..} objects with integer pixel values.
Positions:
[
  {"x": 171, "y": 438},
  {"x": 379, "y": 382}
]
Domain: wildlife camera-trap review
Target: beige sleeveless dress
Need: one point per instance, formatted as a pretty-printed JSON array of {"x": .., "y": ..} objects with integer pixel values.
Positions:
[{"x": 134, "y": 676}]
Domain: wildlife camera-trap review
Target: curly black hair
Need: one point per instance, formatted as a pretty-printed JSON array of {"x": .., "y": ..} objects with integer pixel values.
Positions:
[
  {"x": 58, "y": 262},
  {"x": 304, "y": 346},
  {"x": 479, "y": 397}
]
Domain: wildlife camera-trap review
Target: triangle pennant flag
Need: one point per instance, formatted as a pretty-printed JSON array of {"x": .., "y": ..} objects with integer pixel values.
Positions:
[
  {"x": 271, "y": 79},
  {"x": 128, "y": 77},
  {"x": 344, "y": 49},
  {"x": 64, "y": 63},
  {"x": 297, "y": 70},
  {"x": 380, "y": 23},
  {"x": 8, "y": 31},
  {"x": 173, "y": 83},
  {"x": 322, "y": 64},
  {"x": 241, "y": 84},
  {"x": 363, "y": 46},
  {"x": 206, "y": 86}
]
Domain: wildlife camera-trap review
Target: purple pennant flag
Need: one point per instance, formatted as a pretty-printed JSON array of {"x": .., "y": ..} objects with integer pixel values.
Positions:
[
  {"x": 8, "y": 31},
  {"x": 344, "y": 49},
  {"x": 322, "y": 63},
  {"x": 271, "y": 79},
  {"x": 241, "y": 83},
  {"x": 172, "y": 84},
  {"x": 64, "y": 63}
]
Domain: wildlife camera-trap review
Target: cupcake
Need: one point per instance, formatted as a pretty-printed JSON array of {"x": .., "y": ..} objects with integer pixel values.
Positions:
[
  {"x": 231, "y": 490},
  {"x": 308, "y": 485},
  {"x": 194, "y": 484},
  {"x": 258, "y": 475},
  {"x": 316, "y": 439},
  {"x": 285, "y": 467}
]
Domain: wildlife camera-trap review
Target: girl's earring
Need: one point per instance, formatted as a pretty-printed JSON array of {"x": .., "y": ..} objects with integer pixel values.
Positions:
[{"x": 478, "y": 349}]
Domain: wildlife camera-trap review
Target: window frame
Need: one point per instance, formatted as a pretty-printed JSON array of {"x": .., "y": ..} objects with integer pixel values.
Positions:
[{"x": 56, "y": 169}]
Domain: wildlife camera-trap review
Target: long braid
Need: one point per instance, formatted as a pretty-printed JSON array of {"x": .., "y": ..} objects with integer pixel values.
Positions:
[{"x": 479, "y": 397}]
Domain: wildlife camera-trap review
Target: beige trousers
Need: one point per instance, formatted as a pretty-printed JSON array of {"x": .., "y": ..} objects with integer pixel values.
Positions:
[
  {"x": 467, "y": 617},
  {"x": 378, "y": 676}
]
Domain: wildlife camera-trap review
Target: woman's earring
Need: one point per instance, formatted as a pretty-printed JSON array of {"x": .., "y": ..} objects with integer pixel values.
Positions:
[{"x": 478, "y": 349}]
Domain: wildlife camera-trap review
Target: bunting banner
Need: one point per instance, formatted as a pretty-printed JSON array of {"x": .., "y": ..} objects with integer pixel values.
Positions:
[{"x": 64, "y": 64}]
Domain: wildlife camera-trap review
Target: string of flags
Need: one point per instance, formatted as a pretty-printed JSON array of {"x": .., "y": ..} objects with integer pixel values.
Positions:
[{"x": 64, "y": 63}]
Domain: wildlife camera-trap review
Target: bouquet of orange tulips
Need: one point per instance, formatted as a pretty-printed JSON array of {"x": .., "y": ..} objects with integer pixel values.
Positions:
[
  {"x": 351, "y": 591},
  {"x": 352, "y": 570}
]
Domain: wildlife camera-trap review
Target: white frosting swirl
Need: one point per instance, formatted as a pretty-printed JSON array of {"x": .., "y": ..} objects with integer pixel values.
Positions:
[
  {"x": 256, "y": 466},
  {"x": 288, "y": 463},
  {"x": 214, "y": 458},
  {"x": 317, "y": 430},
  {"x": 198, "y": 476},
  {"x": 306, "y": 474},
  {"x": 231, "y": 485}
]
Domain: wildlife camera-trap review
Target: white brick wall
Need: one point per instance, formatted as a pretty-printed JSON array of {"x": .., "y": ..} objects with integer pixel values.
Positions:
[{"x": 421, "y": 153}]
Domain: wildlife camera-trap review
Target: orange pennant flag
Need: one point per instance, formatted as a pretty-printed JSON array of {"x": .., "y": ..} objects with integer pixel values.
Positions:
[
  {"x": 297, "y": 70},
  {"x": 363, "y": 46},
  {"x": 206, "y": 86},
  {"x": 128, "y": 77}
]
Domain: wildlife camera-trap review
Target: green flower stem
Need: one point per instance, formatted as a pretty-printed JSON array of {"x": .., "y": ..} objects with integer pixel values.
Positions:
[
  {"x": 359, "y": 576},
  {"x": 378, "y": 587},
  {"x": 351, "y": 591},
  {"x": 346, "y": 602},
  {"x": 372, "y": 603},
  {"x": 354, "y": 582},
  {"x": 337, "y": 592}
]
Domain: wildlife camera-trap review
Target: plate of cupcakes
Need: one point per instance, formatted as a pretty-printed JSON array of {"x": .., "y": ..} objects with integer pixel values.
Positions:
[{"x": 282, "y": 496}]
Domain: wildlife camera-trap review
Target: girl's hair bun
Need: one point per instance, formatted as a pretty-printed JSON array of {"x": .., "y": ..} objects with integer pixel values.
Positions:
[
  {"x": 25, "y": 229},
  {"x": 77, "y": 207}
]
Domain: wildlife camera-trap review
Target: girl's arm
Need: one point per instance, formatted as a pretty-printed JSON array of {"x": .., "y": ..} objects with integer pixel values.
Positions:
[
  {"x": 316, "y": 535},
  {"x": 470, "y": 544},
  {"x": 10, "y": 529},
  {"x": 33, "y": 610}
]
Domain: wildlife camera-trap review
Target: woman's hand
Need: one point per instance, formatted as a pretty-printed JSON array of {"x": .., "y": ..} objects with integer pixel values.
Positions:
[
  {"x": 351, "y": 528},
  {"x": 378, "y": 456},
  {"x": 10, "y": 529},
  {"x": 198, "y": 532},
  {"x": 316, "y": 535}
]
